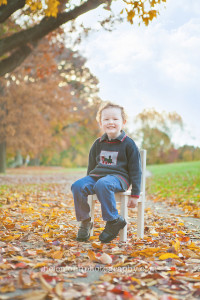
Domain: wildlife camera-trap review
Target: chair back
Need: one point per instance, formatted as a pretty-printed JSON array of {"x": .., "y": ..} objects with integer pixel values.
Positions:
[{"x": 143, "y": 154}]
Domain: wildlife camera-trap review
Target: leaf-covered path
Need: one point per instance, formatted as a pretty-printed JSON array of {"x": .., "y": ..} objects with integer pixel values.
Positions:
[{"x": 40, "y": 259}]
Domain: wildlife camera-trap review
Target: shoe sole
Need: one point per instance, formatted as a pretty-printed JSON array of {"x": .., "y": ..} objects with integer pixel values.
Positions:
[
  {"x": 114, "y": 236},
  {"x": 83, "y": 240}
]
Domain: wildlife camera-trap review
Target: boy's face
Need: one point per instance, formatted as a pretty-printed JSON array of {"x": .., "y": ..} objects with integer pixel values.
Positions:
[{"x": 112, "y": 122}]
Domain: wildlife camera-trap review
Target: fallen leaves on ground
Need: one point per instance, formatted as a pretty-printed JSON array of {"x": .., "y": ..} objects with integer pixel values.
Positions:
[
  {"x": 180, "y": 190},
  {"x": 40, "y": 258}
]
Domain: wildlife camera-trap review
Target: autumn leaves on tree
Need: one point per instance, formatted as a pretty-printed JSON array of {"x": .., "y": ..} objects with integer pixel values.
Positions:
[
  {"x": 47, "y": 16},
  {"x": 47, "y": 101}
]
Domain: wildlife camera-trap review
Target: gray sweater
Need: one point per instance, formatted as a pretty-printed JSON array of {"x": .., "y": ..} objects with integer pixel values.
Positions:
[{"x": 119, "y": 157}]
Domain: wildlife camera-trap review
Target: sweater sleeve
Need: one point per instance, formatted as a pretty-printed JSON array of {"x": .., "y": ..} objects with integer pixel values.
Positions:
[
  {"x": 134, "y": 169},
  {"x": 92, "y": 158}
]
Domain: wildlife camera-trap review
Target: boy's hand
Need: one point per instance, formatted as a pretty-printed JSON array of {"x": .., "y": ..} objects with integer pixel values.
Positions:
[{"x": 132, "y": 202}]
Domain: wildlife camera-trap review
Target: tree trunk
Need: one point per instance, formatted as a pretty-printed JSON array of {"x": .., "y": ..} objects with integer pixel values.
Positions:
[{"x": 2, "y": 157}]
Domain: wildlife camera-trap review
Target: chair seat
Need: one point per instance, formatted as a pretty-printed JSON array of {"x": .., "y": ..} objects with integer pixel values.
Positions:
[{"x": 119, "y": 196}]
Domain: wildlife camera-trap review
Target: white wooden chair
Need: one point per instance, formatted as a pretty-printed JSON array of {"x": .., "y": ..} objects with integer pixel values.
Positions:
[{"x": 122, "y": 198}]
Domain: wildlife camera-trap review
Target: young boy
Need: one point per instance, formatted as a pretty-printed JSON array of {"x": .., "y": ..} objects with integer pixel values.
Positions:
[{"x": 114, "y": 164}]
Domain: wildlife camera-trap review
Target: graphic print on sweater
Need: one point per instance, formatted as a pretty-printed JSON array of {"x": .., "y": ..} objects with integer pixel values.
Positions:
[{"x": 108, "y": 157}]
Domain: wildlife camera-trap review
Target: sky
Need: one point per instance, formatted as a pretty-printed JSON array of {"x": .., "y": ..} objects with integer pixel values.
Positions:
[{"x": 157, "y": 66}]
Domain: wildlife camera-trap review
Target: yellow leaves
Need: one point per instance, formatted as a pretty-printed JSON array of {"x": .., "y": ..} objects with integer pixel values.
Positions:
[
  {"x": 106, "y": 277},
  {"x": 152, "y": 14},
  {"x": 46, "y": 235},
  {"x": 193, "y": 246},
  {"x": 130, "y": 16},
  {"x": 3, "y": 2},
  {"x": 153, "y": 232},
  {"x": 147, "y": 252},
  {"x": 37, "y": 223},
  {"x": 145, "y": 20},
  {"x": 150, "y": 251},
  {"x": 4, "y": 267},
  {"x": 52, "y": 8},
  {"x": 21, "y": 258},
  {"x": 40, "y": 265},
  {"x": 177, "y": 245},
  {"x": 25, "y": 227},
  {"x": 45, "y": 204},
  {"x": 139, "y": 11},
  {"x": 153, "y": 3},
  {"x": 94, "y": 237},
  {"x": 34, "y": 4},
  {"x": 189, "y": 253},
  {"x": 168, "y": 255},
  {"x": 135, "y": 280},
  {"x": 11, "y": 237},
  {"x": 8, "y": 288},
  {"x": 57, "y": 254}
]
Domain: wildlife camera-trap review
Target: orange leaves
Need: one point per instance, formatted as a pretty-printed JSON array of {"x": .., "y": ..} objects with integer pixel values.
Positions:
[
  {"x": 57, "y": 254},
  {"x": 97, "y": 245},
  {"x": 104, "y": 258},
  {"x": 92, "y": 256},
  {"x": 130, "y": 16},
  {"x": 47, "y": 257},
  {"x": 139, "y": 10}
]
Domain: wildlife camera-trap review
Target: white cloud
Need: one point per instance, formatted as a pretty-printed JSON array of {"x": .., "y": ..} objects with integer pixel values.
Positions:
[{"x": 156, "y": 66}]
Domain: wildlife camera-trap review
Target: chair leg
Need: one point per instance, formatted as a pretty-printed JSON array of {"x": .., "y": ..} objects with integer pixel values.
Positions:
[
  {"x": 124, "y": 214},
  {"x": 91, "y": 203},
  {"x": 140, "y": 220}
]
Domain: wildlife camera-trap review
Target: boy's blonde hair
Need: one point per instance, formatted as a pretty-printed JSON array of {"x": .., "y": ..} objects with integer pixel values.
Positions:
[{"x": 108, "y": 104}]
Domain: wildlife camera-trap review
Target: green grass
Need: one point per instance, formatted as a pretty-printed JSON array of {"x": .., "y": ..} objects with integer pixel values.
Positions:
[
  {"x": 181, "y": 167},
  {"x": 177, "y": 181}
]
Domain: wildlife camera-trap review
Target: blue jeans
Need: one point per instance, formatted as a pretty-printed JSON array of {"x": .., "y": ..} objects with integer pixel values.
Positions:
[{"x": 105, "y": 189}]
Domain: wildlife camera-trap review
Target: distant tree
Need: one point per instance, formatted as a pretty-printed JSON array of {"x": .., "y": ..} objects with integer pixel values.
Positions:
[
  {"x": 45, "y": 104},
  {"x": 154, "y": 133},
  {"x": 39, "y": 18},
  {"x": 172, "y": 155},
  {"x": 196, "y": 153},
  {"x": 189, "y": 153}
]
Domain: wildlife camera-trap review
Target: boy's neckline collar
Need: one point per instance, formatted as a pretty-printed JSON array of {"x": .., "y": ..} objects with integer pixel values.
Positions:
[{"x": 120, "y": 138}]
